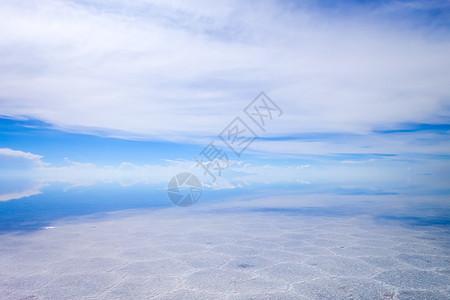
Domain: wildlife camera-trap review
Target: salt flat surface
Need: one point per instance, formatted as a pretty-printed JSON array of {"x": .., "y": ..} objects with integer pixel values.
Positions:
[{"x": 189, "y": 254}]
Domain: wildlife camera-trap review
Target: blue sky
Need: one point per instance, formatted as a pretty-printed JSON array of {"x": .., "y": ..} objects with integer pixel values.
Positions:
[{"x": 131, "y": 91}]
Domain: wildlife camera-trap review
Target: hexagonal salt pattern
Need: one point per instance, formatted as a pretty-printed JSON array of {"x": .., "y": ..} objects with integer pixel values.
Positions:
[{"x": 188, "y": 254}]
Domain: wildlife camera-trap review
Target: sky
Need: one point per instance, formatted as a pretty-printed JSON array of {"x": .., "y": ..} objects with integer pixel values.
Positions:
[{"x": 133, "y": 91}]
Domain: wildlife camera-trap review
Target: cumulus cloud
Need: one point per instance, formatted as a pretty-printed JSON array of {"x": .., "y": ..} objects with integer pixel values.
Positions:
[
  {"x": 19, "y": 160},
  {"x": 178, "y": 71}
]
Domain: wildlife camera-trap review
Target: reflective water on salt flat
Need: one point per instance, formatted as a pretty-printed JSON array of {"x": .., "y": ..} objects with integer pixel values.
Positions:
[{"x": 120, "y": 243}]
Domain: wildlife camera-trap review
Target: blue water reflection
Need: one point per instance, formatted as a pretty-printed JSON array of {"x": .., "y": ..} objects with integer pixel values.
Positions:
[{"x": 59, "y": 201}]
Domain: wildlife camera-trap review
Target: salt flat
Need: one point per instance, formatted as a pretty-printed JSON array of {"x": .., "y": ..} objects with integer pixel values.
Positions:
[{"x": 202, "y": 254}]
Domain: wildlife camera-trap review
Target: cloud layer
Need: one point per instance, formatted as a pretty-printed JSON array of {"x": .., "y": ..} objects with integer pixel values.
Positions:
[{"x": 153, "y": 70}]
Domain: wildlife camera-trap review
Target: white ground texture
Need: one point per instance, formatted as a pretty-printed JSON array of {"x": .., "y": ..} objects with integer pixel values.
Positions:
[{"x": 186, "y": 254}]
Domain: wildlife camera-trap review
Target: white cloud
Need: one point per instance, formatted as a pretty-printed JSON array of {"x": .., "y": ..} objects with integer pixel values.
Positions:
[
  {"x": 358, "y": 161},
  {"x": 20, "y": 154},
  {"x": 393, "y": 143},
  {"x": 19, "y": 160},
  {"x": 178, "y": 71}
]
